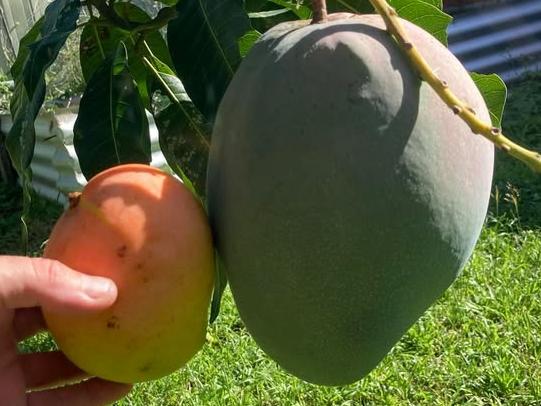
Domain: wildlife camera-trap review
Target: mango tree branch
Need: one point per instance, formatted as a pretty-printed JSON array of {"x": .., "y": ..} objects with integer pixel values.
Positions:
[{"x": 441, "y": 87}]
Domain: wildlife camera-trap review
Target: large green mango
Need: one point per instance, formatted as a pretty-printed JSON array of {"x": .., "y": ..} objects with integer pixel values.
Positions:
[{"x": 345, "y": 197}]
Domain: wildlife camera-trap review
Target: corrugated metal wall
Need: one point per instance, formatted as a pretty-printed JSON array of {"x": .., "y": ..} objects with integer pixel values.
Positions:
[
  {"x": 502, "y": 38},
  {"x": 55, "y": 166},
  {"x": 16, "y": 17}
]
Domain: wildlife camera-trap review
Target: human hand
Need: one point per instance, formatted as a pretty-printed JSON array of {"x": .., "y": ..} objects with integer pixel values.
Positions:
[{"x": 27, "y": 284}]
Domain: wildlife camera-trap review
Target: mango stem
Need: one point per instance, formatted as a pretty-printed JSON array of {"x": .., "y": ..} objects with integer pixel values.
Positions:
[
  {"x": 73, "y": 199},
  {"x": 319, "y": 8},
  {"x": 441, "y": 87}
]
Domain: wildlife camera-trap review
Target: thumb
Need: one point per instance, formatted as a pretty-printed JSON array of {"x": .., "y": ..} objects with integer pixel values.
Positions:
[{"x": 30, "y": 282}]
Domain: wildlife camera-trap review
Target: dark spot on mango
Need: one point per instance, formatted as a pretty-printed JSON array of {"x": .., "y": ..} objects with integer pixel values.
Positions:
[
  {"x": 112, "y": 322},
  {"x": 121, "y": 251},
  {"x": 146, "y": 367}
]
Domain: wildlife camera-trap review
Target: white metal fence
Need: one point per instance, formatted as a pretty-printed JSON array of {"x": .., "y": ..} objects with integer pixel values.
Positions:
[
  {"x": 55, "y": 166},
  {"x": 16, "y": 17}
]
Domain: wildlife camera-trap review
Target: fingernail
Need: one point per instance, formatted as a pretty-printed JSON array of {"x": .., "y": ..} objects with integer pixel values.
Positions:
[{"x": 100, "y": 288}]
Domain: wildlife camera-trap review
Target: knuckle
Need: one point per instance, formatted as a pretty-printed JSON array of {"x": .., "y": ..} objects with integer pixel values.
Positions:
[
  {"x": 50, "y": 273},
  {"x": 47, "y": 272}
]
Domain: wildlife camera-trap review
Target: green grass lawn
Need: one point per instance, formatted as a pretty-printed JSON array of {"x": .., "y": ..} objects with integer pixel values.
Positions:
[{"x": 480, "y": 344}]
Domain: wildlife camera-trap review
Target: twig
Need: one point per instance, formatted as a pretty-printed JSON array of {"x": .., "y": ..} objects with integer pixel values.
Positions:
[{"x": 441, "y": 87}]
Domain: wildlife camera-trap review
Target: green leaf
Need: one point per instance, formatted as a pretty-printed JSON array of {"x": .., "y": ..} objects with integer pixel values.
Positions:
[
  {"x": 21, "y": 138},
  {"x": 426, "y": 15},
  {"x": 24, "y": 49},
  {"x": 37, "y": 51},
  {"x": 267, "y": 14},
  {"x": 109, "y": 37},
  {"x": 296, "y": 7},
  {"x": 247, "y": 41},
  {"x": 184, "y": 141},
  {"x": 168, "y": 2},
  {"x": 435, "y": 3},
  {"x": 494, "y": 91},
  {"x": 170, "y": 82},
  {"x": 184, "y": 132},
  {"x": 112, "y": 126},
  {"x": 220, "y": 283},
  {"x": 263, "y": 6},
  {"x": 60, "y": 20},
  {"x": 203, "y": 41},
  {"x": 255, "y": 5},
  {"x": 19, "y": 102}
]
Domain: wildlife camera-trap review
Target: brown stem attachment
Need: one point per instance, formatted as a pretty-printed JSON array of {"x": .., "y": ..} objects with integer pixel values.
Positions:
[
  {"x": 73, "y": 199},
  {"x": 319, "y": 8},
  {"x": 441, "y": 87}
]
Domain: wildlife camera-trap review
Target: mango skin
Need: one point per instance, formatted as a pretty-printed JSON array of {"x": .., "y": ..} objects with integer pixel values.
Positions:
[
  {"x": 145, "y": 230},
  {"x": 344, "y": 196}
]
